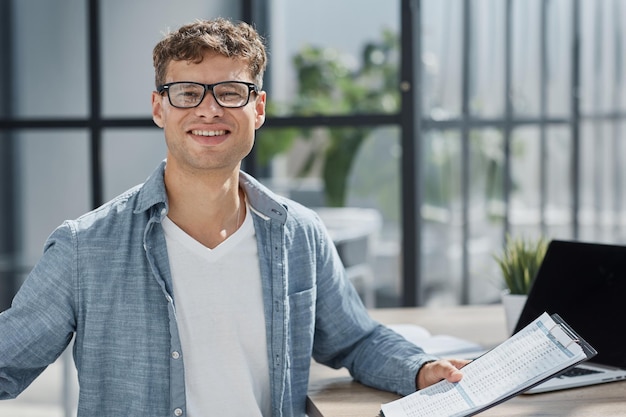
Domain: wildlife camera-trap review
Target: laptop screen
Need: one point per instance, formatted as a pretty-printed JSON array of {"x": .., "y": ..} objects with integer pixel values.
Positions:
[{"x": 585, "y": 283}]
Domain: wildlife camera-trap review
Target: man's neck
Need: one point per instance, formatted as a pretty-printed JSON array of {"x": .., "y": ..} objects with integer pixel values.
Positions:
[{"x": 209, "y": 208}]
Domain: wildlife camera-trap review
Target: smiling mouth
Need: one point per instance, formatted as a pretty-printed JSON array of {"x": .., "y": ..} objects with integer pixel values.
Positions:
[{"x": 208, "y": 132}]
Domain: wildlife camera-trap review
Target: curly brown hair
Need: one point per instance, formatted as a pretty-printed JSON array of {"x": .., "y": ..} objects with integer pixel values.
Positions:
[{"x": 190, "y": 42}]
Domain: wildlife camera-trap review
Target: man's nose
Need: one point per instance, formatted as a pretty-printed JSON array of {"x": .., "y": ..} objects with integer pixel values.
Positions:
[{"x": 209, "y": 106}]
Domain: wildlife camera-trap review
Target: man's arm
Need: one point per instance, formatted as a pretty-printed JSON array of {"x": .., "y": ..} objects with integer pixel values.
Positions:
[{"x": 40, "y": 323}]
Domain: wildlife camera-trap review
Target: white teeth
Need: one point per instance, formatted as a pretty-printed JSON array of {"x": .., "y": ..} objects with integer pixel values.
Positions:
[{"x": 208, "y": 132}]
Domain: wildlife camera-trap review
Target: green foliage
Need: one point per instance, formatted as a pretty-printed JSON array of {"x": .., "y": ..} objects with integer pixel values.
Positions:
[
  {"x": 520, "y": 261},
  {"x": 327, "y": 85}
]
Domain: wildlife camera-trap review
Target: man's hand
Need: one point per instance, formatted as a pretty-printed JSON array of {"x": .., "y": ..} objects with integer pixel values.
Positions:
[{"x": 433, "y": 372}]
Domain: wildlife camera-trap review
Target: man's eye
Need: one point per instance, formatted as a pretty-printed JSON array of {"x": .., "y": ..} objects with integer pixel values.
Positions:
[
  {"x": 189, "y": 95},
  {"x": 230, "y": 95}
]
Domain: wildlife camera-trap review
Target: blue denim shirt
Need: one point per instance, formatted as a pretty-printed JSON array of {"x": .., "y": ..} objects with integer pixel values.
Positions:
[{"x": 105, "y": 278}]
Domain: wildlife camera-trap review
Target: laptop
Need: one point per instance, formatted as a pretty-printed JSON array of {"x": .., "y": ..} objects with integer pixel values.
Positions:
[{"x": 585, "y": 283}]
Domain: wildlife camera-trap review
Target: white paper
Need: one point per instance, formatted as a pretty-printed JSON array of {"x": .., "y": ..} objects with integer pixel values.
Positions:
[{"x": 438, "y": 345}]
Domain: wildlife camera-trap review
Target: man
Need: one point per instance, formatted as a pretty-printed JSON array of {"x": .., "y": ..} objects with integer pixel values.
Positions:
[{"x": 200, "y": 292}]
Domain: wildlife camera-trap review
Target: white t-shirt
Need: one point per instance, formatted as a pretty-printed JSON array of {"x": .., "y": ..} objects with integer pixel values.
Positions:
[{"x": 219, "y": 311}]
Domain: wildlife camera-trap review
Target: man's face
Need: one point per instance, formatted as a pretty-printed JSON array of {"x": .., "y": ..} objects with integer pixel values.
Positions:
[{"x": 208, "y": 137}]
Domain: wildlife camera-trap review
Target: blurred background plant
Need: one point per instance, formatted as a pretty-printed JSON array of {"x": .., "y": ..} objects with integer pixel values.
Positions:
[
  {"x": 329, "y": 84},
  {"x": 519, "y": 262}
]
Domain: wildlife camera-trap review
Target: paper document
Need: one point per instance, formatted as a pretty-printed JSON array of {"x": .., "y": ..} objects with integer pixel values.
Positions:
[
  {"x": 542, "y": 349},
  {"x": 438, "y": 345}
]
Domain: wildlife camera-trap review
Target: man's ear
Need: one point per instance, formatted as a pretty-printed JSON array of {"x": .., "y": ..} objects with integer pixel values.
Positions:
[
  {"x": 157, "y": 109},
  {"x": 259, "y": 109}
]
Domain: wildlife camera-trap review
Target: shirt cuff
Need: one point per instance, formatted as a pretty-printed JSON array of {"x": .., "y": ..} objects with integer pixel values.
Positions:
[{"x": 409, "y": 378}]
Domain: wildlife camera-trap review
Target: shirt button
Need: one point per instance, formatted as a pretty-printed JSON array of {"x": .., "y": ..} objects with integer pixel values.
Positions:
[
  {"x": 178, "y": 412},
  {"x": 175, "y": 355}
]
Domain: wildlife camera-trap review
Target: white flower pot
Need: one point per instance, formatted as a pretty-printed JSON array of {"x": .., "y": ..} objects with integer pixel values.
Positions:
[{"x": 513, "y": 305}]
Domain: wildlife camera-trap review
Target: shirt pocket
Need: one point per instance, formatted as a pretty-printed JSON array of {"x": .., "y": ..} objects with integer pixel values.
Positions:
[{"x": 302, "y": 328}]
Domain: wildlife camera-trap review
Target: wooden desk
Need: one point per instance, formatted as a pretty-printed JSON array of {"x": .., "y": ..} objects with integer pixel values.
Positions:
[{"x": 332, "y": 393}]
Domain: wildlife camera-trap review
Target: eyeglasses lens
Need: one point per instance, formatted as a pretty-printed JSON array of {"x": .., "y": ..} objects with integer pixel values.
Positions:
[{"x": 231, "y": 94}]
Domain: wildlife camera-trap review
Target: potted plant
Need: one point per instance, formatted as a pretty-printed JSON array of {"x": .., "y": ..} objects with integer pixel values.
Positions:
[{"x": 519, "y": 262}]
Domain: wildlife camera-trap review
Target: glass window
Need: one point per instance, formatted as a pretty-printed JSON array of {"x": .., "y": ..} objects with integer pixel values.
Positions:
[
  {"x": 50, "y": 62},
  {"x": 129, "y": 157},
  {"x": 342, "y": 69},
  {"x": 130, "y": 29},
  {"x": 441, "y": 58},
  {"x": 441, "y": 215},
  {"x": 53, "y": 184},
  {"x": 587, "y": 205},
  {"x": 620, "y": 140},
  {"x": 525, "y": 78},
  {"x": 526, "y": 177},
  {"x": 588, "y": 61},
  {"x": 619, "y": 18},
  {"x": 486, "y": 82},
  {"x": 486, "y": 165},
  {"x": 608, "y": 50},
  {"x": 559, "y": 58},
  {"x": 541, "y": 193},
  {"x": 558, "y": 153},
  {"x": 602, "y": 56},
  {"x": 595, "y": 180},
  {"x": 485, "y": 212}
]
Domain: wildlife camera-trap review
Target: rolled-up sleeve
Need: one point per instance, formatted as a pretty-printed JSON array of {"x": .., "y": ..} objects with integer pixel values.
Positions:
[{"x": 345, "y": 335}]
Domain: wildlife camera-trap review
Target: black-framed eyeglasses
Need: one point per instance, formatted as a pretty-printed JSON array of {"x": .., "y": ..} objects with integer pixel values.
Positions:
[{"x": 189, "y": 94}]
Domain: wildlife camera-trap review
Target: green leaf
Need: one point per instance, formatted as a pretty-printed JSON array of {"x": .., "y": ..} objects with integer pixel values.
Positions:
[{"x": 520, "y": 261}]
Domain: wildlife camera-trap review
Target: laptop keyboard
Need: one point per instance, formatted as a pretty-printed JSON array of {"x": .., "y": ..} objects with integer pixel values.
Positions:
[{"x": 577, "y": 372}]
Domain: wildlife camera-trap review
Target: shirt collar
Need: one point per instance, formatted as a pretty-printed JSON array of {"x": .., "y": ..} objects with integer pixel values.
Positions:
[
  {"x": 261, "y": 199},
  {"x": 153, "y": 193}
]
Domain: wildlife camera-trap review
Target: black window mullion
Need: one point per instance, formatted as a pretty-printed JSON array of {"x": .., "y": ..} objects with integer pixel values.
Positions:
[
  {"x": 508, "y": 115},
  {"x": 543, "y": 114},
  {"x": 597, "y": 123},
  {"x": 465, "y": 148},
  {"x": 575, "y": 118},
  {"x": 617, "y": 90},
  {"x": 250, "y": 163},
  {"x": 95, "y": 100},
  {"x": 411, "y": 198},
  {"x": 8, "y": 232}
]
